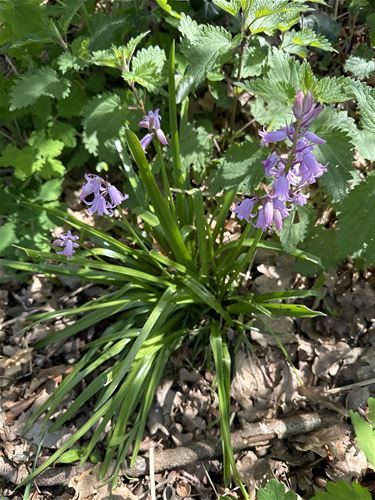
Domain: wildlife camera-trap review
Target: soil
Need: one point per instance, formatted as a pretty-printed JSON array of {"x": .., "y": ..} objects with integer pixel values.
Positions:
[{"x": 316, "y": 369}]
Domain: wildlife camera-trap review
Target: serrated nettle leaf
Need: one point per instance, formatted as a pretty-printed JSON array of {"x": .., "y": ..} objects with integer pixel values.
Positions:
[
  {"x": 240, "y": 168},
  {"x": 329, "y": 90},
  {"x": 361, "y": 64},
  {"x": 275, "y": 491},
  {"x": 202, "y": 45},
  {"x": 78, "y": 56},
  {"x": 147, "y": 69},
  {"x": 295, "y": 227},
  {"x": 230, "y": 6},
  {"x": 356, "y": 229},
  {"x": 366, "y": 103},
  {"x": 364, "y": 143},
  {"x": 295, "y": 42},
  {"x": 268, "y": 16},
  {"x": 338, "y": 155},
  {"x": 271, "y": 114},
  {"x": 253, "y": 59},
  {"x": 36, "y": 83},
  {"x": 104, "y": 119},
  {"x": 196, "y": 146},
  {"x": 341, "y": 490},
  {"x": 118, "y": 57},
  {"x": 320, "y": 242},
  {"x": 24, "y": 22}
]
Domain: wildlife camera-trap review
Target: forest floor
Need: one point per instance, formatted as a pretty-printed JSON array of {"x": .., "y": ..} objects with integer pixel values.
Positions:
[{"x": 294, "y": 382}]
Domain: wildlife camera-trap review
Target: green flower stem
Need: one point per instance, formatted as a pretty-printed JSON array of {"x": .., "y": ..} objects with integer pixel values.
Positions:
[
  {"x": 178, "y": 170},
  {"x": 140, "y": 242},
  {"x": 166, "y": 185},
  {"x": 248, "y": 258},
  {"x": 232, "y": 256}
]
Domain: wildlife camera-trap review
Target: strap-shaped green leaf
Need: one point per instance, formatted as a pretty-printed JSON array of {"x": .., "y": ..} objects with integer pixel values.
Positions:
[{"x": 162, "y": 210}]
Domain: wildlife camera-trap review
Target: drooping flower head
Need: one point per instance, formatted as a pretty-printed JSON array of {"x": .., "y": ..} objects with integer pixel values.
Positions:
[
  {"x": 67, "y": 241},
  {"x": 151, "y": 121},
  {"x": 289, "y": 172},
  {"x": 101, "y": 196}
]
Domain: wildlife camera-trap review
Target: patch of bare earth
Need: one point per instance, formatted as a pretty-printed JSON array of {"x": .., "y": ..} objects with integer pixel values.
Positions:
[{"x": 293, "y": 384}]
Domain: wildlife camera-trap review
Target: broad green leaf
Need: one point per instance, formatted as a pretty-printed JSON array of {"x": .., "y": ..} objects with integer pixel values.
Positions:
[
  {"x": 78, "y": 56},
  {"x": 268, "y": 16},
  {"x": 296, "y": 42},
  {"x": 330, "y": 90},
  {"x": 343, "y": 491},
  {"x": 240, "y": 168},
  {"x": 366, "y": 103},
  {"x": 361, "y": 63},
  {"x": 364, "y": 143},
  {"x": 104, "y": 118},
  {"x": 365, "y": 434},
  {"x": 7, "y": 235},
  {"x": 147, "y": 69},
  {"x": 337, "y": 154},
  {"x": 118, "y": 57},
  {"x": 317, "y": 241},
  {"x": 36, "y": 83},
  {"x": 230, "y": 6},
  {"x": 196, "y": 147},
  {"x": 24, "y": 22},
  {"x": 253, "y": 59},
  {"x": 275, "y": 491},
  {"x": 202, "y": 45},
  {"x": 356, "y": 229},
  {"x": 295, "y": 228}
]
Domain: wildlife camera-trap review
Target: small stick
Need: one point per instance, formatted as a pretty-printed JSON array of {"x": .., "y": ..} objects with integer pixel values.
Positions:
[
  {"x": 363, "y": 383},
  {"x": 152, "y": 473},
  {"x": 178, "y": 458}
]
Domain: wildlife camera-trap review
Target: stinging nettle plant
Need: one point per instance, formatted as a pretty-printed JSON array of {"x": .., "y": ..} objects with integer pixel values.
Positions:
[{"x": 171, "y": 277}]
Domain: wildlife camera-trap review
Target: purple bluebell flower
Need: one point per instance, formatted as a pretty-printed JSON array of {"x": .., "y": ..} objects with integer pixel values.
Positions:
[
  {"x": 115, "y": 195},
  {"x": 273, "y": 211},
  {"x": 100, "y": 206},
  {"x": 315, "y": 139},
  {"x": 152, "y": 122},
  {"x": 270, "y": 165},
  {"x": 273, "y": 136},
  {"x": 305, "y": 110},
  {"x": 310, "y": 169},
  {"x": 146, "y": 141},
  {"x": 300, "y": 198},
  {"x": 68, "y": 242},
  {"x": 92, "y": 186},
  {"x": 244, "y": 209},
  {"x": 281, "y": 187},
  {"x": 101, "y": 196},
  {"x": 289, "y": 172}
]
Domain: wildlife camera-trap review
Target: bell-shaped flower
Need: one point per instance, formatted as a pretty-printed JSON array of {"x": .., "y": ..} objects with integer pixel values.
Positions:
[
  {"x": 152, "y": 122},
  {"x": 243, "y": 210},
  {"x": 115, "y": 195},
  {"x": 92, "y": 186},
  {"x": 100, "y": 206},
  {"x": 68, "y": 242}
]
